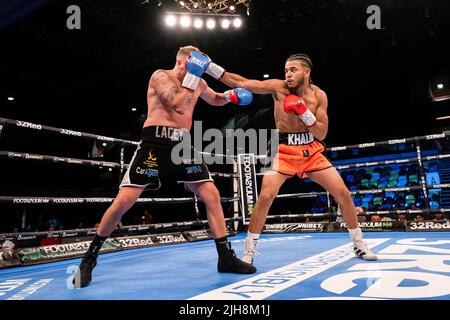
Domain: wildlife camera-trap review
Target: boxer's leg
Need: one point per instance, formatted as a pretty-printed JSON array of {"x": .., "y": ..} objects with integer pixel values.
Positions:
[
  {"x": 124, "y": 200},
  {"x": 126, "y": 197},
  {"x": 272, "y": 181},
  {"x": 331, "y": 181},
  {"x": 228, "y": 262}
]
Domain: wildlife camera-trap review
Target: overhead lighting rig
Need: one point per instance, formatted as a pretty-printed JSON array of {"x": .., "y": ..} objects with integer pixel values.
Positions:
[{"x": 213, "y": 6}]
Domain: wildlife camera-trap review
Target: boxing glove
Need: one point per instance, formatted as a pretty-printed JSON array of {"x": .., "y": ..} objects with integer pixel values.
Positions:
[
  {"x": 239, "y": 96},
  {"x": 196, "y": 64},
  {"x": 297, "y": 105}
]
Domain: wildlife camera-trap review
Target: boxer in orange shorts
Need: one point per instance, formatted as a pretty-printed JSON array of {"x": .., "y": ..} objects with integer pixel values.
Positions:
[
  {"x": 300, "y": 110},
  {"x": 298, "y": 154}
]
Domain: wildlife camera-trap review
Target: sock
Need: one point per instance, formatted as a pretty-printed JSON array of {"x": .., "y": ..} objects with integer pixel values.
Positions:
[
  {"x": 222, "y": 245},
  {"x": 254, "y": 236},
  {"x": 355, "y": 234},
  {"x": 96, "y": 244}
]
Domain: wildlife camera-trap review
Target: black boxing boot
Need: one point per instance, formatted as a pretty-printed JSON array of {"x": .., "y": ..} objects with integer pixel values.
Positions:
[
  {"x": 83, "y": 276},
  {"x": 228, "y": 262}
]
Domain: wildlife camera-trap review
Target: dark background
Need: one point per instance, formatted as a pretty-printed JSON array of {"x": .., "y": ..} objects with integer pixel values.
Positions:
[
  {"x": 377, "y": 81},
  {"x": 88, "y": 79}
]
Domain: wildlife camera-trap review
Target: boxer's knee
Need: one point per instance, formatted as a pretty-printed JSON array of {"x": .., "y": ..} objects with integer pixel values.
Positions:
[
  {"x": 342, "y": 196},
  {"x": 124, "y": 201},
  {"x": 209, "y": 193},
  {"x": 267, "y": 196}
]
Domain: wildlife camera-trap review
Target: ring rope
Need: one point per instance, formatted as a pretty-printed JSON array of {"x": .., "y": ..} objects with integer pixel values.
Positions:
[
  {"x": 81, "y": 200},
  {"x": 66, "y": 132},
  {"x": 115, "y": 165},
  {"x": 29, "y": 125},
  {"x": 23, "y": 236},
  {"x": 92, "y": 163}
]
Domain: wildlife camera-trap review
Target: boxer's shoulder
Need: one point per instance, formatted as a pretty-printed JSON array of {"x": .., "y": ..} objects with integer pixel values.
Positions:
[
  {"x": 159, "y": 75},
  {"x": 316, "y": 89},
  {"x": 319, "y": 93},
  {"x": 280, "y": 87}
]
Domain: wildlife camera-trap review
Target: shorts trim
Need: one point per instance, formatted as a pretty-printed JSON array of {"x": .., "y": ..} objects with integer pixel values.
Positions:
[
  {"x": 196, "y": 181},
  {"x": 318, "y": 169},
  {"x": 144, "y": 186}
]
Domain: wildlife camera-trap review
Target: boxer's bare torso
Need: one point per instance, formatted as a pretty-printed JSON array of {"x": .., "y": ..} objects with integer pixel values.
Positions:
[
  {"x": 163, "y": 109},
  {"x": 289, "y": 122}
]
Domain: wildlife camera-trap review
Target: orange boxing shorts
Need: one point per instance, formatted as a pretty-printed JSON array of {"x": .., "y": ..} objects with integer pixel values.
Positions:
[{"x": 297, "y": 154}]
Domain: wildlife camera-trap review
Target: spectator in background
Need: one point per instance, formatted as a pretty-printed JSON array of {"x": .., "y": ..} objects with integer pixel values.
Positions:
[
  {"x": 361, "y": 214},
  {"x": 401, "y": 217},
  {"x": 55, "y": 222},
  {"x": 147, "y": 218},
  {"x": 375, "y": 218},
  {"x": 52, "y": 240},
  {"x": 419, "y": 218},
  {"x": 439, "y": 216},
  {"x": 144, "y": 218}
]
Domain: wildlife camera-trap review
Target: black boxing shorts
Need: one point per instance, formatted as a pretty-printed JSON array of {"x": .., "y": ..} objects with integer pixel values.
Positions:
[{"x": 154, "y": 163}]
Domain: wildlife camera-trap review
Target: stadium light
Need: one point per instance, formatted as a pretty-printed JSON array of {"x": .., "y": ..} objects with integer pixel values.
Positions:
[
  {"x": 171, "y": 20},
  {"x": 199, "y": 20},
  {"x": 210, "y": 23},
  {"x": 225, "y": 23},
  {"x": 198, "y": 23},
  {"x": 185, "y": 21}
]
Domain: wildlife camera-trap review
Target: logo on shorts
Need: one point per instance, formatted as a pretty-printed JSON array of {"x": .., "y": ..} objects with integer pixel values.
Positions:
[
  {"x": 305, "y": 153},
  {"x": 151, "y": 160},
  {"x": 194, "y": 169},
  {"x": 147, "y": 172}
]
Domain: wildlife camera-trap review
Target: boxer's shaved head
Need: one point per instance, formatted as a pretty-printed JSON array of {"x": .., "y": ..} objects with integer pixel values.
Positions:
[
  {"x": 303, "y": 58},
  {"x": 184, "y": 51}
]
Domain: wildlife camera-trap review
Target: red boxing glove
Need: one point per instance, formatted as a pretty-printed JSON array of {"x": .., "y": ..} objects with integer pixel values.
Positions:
[{"x": 296, "y": 104}]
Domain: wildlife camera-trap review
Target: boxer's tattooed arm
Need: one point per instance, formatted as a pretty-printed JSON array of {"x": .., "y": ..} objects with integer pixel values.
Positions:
[
  {"x": 213, "y": 98},
  {"x": 166, "y": 90}
]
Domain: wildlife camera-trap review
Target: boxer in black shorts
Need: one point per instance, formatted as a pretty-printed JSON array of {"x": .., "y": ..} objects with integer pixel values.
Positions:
[
  {"x": 171, "y": 98},
  {"x": 152, "y": 162}
]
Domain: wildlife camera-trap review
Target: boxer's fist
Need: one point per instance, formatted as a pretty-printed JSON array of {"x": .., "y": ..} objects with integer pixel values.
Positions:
[
  {"x": 239, "y": 96},
  {"x": 297, "y": 105},
  {"x": 197, "y": 63}
]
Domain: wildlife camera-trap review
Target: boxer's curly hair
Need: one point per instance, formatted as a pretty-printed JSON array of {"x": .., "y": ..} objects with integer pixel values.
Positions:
[{"x": 304, "y": 59}]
